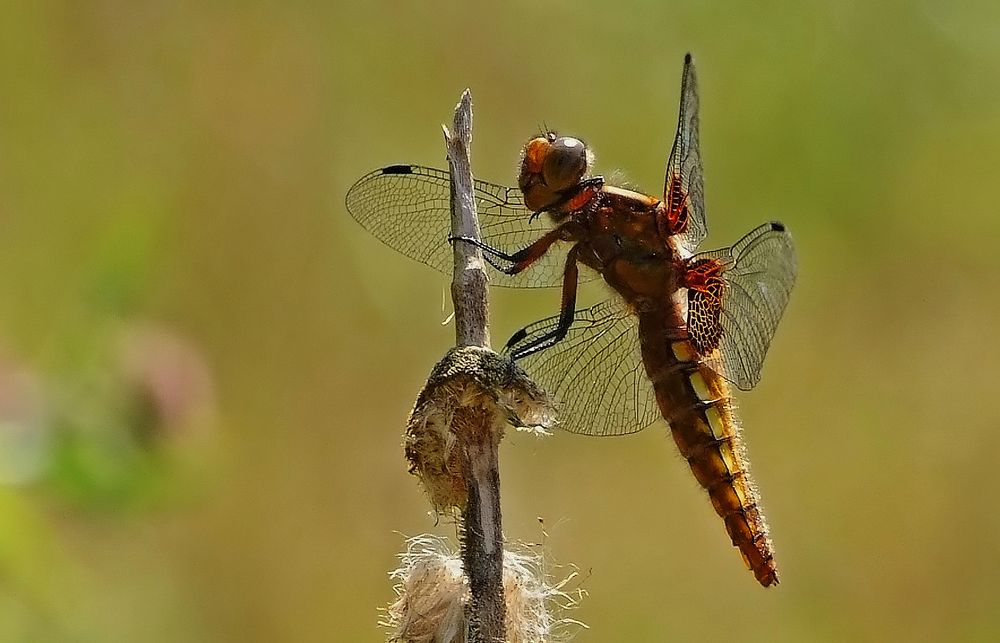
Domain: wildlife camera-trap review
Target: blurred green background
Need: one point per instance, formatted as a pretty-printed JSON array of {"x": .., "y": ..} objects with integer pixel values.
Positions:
[{"x": 205, "y": 364}]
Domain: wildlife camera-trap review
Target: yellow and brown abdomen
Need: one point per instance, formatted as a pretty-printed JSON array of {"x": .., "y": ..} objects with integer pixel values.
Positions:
[{"x": 696, "y": 403}]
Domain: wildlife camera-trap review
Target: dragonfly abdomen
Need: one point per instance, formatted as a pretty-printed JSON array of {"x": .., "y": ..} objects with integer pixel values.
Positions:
[
  {"x": 695, "y": 402},
  {"x": 707, "y": 434}
]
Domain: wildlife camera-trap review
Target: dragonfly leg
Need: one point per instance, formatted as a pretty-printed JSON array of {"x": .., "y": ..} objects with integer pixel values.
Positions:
[
  {"x": 489, "y": 253},
  {"x": 485, "y": 247},
  {"x": 567, "y": 313},
  {"x": 520, "y": 259}
]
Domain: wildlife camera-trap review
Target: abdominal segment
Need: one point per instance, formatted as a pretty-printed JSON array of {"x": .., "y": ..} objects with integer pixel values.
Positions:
[{"x": 695, "y": 402}]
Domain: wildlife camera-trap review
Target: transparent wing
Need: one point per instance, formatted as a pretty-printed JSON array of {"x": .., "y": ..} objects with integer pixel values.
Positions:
[
  {"x": 684, "y": 188},
  {"x": 407, "y": 207},
  {"x": 758, "y": 275},
  {"x": 595, "y": 374}
]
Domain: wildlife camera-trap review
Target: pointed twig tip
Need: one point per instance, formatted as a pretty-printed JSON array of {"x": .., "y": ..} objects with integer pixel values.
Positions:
[{"x": 463, "y": 117}]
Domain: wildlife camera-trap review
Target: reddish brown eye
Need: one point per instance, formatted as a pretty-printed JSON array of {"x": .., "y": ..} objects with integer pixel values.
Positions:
[{"x": 565, "y": 164}]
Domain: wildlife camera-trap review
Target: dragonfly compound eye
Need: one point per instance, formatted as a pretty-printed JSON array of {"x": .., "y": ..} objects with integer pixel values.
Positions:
[{"x": 565, "y": 164}]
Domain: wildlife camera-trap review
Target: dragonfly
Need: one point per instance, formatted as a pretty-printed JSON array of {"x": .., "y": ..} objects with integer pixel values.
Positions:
[{"x": 682, "y": 328}]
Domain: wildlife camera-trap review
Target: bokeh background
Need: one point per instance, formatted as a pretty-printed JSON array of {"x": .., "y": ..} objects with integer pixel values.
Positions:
[{"x": 205, "y": 364}]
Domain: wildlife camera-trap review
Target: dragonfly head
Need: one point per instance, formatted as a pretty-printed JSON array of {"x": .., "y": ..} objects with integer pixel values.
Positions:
[{"x": 551, "y": 166}]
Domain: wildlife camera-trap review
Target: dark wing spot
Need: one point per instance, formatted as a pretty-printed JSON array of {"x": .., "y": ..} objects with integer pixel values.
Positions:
[{"x": 397, "y": 169}]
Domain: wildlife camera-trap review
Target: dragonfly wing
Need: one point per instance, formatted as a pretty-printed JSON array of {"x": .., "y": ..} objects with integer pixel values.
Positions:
[
  {"x": 595, "y": 374},
  {"x": 684, "y": 188},
  {"x": 407, "y": 207},
  {"x": 733, "y": 327}
]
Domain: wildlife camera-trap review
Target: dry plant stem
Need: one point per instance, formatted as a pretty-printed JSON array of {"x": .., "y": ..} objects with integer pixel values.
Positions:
[
  {"x": 482, "y": 538},
  {"x": 468, "y": 285}
]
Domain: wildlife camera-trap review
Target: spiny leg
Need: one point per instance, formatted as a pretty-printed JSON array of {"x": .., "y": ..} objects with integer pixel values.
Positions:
[
  {"x": 567, "y": 313},
  {"x": 572, "y": 200},
  {"x": 519, "y": 260}
]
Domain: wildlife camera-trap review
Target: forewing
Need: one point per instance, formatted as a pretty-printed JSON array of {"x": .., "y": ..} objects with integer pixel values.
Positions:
[
  {"x": 595, "y": 374},
  {"x": 684, "y": 189},
  {"x": 759, "y": 272},
  {"x": 407, "y": 207}
]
